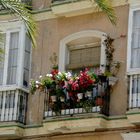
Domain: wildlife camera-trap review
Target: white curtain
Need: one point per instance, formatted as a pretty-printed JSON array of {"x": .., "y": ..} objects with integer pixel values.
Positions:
[{"x": 13, "y": 58}]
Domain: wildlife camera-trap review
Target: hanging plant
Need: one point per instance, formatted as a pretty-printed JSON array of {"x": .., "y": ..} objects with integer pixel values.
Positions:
[{"x": 112, "y": 67}]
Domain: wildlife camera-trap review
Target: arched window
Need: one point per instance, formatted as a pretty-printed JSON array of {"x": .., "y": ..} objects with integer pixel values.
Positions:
[{"x": 82, "y": 49}]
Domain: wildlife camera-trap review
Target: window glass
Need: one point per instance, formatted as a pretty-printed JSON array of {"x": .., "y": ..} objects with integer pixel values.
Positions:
[
  {"x": 13, "y": 58},
  {"x": 135, "y": 44},
  {"x": 26, "y": 62}
]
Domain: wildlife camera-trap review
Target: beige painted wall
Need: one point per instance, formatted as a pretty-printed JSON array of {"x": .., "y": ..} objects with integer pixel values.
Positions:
[{"x": 53, "y": 30}]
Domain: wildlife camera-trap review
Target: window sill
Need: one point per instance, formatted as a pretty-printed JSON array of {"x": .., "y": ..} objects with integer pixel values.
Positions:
[{"x": 13, "y": 87}]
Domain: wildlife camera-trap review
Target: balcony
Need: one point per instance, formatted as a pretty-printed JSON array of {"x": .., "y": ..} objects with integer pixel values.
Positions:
[
  {"x": 134, "y": 99},
  {"x": 95, "y": 102},
  {"x": 70, "y": 8},
  {"x": 13, "y": 105}
]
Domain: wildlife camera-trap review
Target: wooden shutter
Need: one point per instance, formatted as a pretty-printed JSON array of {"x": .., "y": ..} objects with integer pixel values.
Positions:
[{"x": 84, "y": 57}]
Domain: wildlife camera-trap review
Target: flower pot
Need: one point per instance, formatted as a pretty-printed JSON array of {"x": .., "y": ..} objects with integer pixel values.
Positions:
[
  {"x": 62, "y": 99},
  {"x": 53, "y": 98},
  {"x": 41, "y": 88},
  {"x": 99, "y": 101},
  {"x": 112, "y": 80},
  {"x": 80, "y": 95},
  {"x": 88, "y": 93}
]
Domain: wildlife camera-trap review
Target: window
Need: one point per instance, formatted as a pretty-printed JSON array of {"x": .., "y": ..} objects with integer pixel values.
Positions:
[
  {"x": 15, "y": 65},
  {"x": 133, "y": 58},
  {"x": 134, "y": 63},
  {"x": 85, "y": 55},
  {"x": 83, "y": 49},
  {"x": 27, "y": 54},
  {"x": 13, "y": 58}
]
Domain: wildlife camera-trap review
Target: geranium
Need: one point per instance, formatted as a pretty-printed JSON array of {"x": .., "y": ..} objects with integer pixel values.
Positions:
[
  {"x": 54, "y": 72},
  {"x": 86, "y": 80},
  {"x": 72, "y": 84},
  {"x": 61, "y": 80}
]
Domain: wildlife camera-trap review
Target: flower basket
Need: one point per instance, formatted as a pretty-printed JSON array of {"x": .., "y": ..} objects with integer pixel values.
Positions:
[{"x": 112, "y": 80}]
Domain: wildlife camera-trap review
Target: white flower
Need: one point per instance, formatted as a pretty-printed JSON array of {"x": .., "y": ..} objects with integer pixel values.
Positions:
[
  {"x": 37, "y": 82},
  {"x": 40, "y": 76},
  {"x": 37, "y": 86},
  {"x": 49, "y": 75},
  {"x": 68, "y": 75},
  {"x": 59, "y": 73}
]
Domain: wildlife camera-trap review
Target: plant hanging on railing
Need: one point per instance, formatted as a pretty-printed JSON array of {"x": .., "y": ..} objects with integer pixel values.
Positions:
[{"x": 112, "y": 67}]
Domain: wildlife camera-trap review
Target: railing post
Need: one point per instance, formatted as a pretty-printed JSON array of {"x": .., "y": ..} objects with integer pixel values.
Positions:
[
  {"x": 106, "y": 105},
  {"x": 3, "y": 106}
]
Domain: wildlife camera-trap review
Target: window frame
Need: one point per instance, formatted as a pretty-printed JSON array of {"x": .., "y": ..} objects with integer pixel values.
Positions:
[
  {"x": 82, "y": 47},
  {"x": 64, "y": 52},
  {"x": 7, "y": 28},
  {"x": 131, "y": 71}
]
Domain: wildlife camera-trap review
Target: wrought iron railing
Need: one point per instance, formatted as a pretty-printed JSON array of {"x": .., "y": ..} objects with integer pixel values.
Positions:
[
  {"x": 58, "y": 0},
  {"x": 95, "y": 102},
  {"x": 13, "y": 105},
  {"x": 134, "y": 91},
  {"x": 28, "y": 2}
]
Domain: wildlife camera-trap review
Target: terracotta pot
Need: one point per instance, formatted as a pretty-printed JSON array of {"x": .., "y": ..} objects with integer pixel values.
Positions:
[
  {"x": 99, "y": 101},
  {"x": 41, "y": 88}
]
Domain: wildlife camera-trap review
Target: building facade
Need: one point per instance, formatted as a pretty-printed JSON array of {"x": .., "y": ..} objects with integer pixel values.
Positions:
[{"x": 74, "y": 32}]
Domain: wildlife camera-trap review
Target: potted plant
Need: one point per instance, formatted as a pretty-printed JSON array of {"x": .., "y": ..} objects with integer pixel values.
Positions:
[
  {"x": 87, "y": 105},
  {"x": 86, "y": 82},
  {"x": 98, "y": 101},
  {"x": 52, "y": 92},
  {"x": 60, "y": 93}
]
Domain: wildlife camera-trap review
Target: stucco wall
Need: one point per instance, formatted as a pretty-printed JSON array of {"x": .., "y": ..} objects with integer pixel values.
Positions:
[{"x": 52, "y": 31}]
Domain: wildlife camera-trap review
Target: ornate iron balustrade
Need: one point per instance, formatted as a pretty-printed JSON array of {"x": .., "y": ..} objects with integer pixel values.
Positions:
[
  {"x": 134, "y": 91},
  {"x": 96, "y": 102},
  {"x": 13, "y": 105}
]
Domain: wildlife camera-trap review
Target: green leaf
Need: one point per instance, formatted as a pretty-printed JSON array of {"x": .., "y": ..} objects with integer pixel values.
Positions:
[
  {"x": 21, "y": 10},
  {"x": 106, "y": 7}
]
